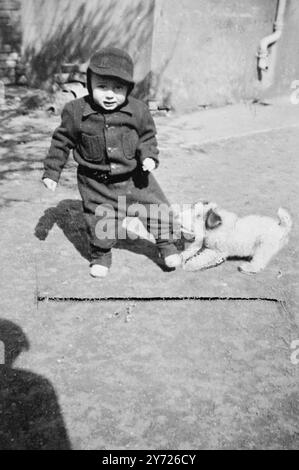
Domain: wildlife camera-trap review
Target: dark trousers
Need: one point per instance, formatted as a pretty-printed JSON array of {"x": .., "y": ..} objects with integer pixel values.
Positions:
[{"x": 140, "y": 195}]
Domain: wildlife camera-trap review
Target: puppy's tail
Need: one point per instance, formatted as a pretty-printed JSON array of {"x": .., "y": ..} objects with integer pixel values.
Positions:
[{"x": 285, "y": 220}]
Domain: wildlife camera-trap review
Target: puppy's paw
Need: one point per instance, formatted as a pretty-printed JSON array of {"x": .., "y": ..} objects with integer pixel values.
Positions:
[
  {"x": 204, "y": 259},
  {"x": 247, "y": 268}
]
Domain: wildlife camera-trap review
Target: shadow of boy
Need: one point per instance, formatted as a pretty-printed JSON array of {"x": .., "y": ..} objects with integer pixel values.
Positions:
[{"x": 30, "y": 414}]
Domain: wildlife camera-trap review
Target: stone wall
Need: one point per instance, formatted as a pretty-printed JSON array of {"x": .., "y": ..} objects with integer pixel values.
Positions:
[
  {"x": 204, "y": 51},
  {"x": 56, "y": 32},
  {"x": 188, "y": 53}
]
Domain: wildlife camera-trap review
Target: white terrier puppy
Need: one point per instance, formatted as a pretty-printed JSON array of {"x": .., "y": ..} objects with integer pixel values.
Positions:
[{"x": 223, "y": 234}]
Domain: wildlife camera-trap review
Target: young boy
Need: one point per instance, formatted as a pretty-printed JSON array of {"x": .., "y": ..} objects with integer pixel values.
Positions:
[{"x": 112, "y": 136}]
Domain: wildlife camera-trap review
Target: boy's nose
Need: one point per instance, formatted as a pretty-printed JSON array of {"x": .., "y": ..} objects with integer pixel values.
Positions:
[{"x": 109, "y": 94}]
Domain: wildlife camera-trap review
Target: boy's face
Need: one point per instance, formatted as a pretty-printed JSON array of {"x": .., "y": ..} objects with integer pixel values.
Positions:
[{"x": 108, "y": 92}]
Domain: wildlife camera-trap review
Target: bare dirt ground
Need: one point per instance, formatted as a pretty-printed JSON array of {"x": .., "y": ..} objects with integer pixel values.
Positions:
[{"x": 152, "y": 374}]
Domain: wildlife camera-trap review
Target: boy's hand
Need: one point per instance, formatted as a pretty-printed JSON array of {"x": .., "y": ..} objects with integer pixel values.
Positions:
[
  {"x": 148, "y": 164},
  {"x": 50, "y": 184}
]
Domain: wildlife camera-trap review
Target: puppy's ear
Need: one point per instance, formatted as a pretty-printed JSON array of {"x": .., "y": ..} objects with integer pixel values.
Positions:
[{"x": 212, "y": 220}]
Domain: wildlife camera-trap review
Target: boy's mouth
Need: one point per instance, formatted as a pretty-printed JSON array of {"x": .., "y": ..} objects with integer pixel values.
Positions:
[{"x": 109, "y": 104}]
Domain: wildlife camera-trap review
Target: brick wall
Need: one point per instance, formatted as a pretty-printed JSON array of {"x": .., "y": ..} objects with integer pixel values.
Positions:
[{"x": 10, "y": 38}]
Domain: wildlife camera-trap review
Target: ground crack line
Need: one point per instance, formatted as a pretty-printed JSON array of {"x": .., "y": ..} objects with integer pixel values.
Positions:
[{"x": 45, "y": 298}]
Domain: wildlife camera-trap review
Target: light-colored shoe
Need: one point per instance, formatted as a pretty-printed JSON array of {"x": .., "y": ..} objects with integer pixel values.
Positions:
[
  {"x": 97, "y": 270},
  {"x": 173, "y": 261}
]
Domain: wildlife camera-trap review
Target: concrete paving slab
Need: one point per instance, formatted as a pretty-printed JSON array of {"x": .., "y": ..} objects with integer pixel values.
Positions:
[
  {"x": 189, "y": 376},
  {"x": 221, "y": 124}
]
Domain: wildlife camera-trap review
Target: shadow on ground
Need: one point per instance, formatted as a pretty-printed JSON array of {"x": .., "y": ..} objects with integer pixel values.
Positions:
[
  {"x": 30, "y": 414},
  {"x": 69, "y": 217}
]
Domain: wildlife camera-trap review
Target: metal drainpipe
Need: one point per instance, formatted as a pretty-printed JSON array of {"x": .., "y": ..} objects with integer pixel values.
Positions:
[{"x": 263, "y": 55}]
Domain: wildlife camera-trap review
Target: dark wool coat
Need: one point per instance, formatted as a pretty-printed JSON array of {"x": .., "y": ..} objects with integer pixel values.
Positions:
[{"x": 106, "y": 141}]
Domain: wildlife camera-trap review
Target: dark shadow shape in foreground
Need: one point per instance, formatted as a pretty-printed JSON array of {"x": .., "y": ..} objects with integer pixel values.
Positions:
[
  {"x": 30, "y": 416},
  {"x": 69, "y": 217}
]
